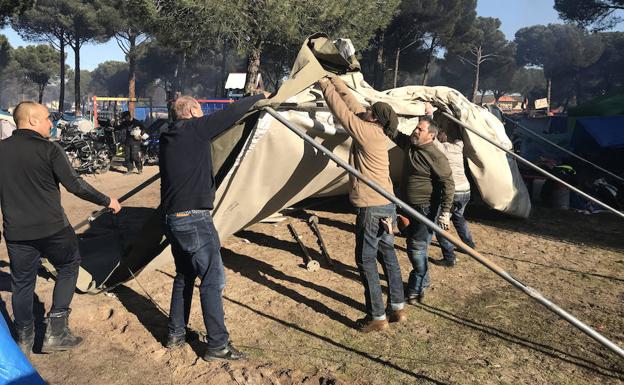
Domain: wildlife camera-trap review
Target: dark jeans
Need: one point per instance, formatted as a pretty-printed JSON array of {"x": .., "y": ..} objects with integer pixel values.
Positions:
[
  {"x": 61, "y": 249},
  {"x": 460, "y": 201},
  {"x": 371, "y": 240},
  {"x": 195, "y": 246},
  {"x": 418, "y": 240},
  {"x": 133, "y": 158}
]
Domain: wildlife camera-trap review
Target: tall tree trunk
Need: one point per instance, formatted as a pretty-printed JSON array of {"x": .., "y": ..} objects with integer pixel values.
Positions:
[
  {"x": 41, "y": 88},
  {"x": 429, "y": 56},
  {"x": 131, "y": 71},
  {"x": 548, "y": 91},
  {"x": 253, "y": 68},
  {"x": 223, "y": 79},
  {"x": 62, "y": 76},
  {"x": 475, "y": 84},
  {"x": 77, "y": 99},
  {"x": 396, "y": 67},
  {"x": 379, "y": 63}
]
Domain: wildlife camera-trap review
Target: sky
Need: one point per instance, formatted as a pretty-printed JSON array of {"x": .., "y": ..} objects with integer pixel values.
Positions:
[{"x": 514, "y": 14}]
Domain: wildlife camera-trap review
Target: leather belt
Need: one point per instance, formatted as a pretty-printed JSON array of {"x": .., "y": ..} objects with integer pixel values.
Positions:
[{"x": 188, "y": 213}]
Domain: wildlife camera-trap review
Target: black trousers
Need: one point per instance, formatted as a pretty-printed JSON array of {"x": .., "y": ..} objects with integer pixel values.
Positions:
[
  {"x": 133, "y": 158},
  {"x": 61, "y": 249}
]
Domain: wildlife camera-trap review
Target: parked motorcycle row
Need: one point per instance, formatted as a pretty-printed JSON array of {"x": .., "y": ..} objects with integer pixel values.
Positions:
[{"x": 93, "y": 152}]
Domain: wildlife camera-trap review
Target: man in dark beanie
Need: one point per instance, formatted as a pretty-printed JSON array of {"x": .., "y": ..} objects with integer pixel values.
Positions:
[{"x": 375, "y": 214}]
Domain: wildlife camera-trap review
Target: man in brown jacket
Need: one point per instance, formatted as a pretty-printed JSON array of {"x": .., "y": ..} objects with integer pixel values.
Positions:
[{"x": 369, "y": 155}]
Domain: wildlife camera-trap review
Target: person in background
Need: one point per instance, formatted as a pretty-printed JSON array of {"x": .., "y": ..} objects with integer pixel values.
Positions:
[
  {"x": 135, "y": 134},
  {"x": 454, "y": 152}
]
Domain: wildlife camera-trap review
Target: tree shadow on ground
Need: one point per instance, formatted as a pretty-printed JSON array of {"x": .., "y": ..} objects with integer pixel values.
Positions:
[
  {"x": 613, "y": 372},
  {"x": 602, "y": 229},
  {"x": 153, "y": 318},
  {"x": 272, "y": 242},
  {"x": 365, "y": 355},
  {"x": 259, "y": 271}
]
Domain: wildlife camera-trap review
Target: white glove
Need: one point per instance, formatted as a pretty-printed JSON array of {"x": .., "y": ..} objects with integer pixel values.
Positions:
[
  {"x": 145, "y": 136},
  {"x": 444, "y": 221}
]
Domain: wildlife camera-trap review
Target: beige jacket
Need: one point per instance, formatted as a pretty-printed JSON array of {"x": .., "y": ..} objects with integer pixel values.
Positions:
[{"x": 369, "y": 150}]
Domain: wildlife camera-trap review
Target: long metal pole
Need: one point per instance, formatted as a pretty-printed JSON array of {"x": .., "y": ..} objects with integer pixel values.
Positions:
[
  {"x": 563, "y": 149},
  {"x": 537, "y": 168},
  {"x": 457, "y": 242},
  {"x": 124, "y": 197}
]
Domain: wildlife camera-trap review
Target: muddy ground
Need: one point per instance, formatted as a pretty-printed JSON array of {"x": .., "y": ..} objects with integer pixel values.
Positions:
[{"x": 297, "y": 326}]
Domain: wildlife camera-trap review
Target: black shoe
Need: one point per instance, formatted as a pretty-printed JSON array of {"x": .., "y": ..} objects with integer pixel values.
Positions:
[
  {"x": 444, "y": 262},
  {"x": 415, "y": 299},
  {"x": 26, "y": 338},
  {"x": 227, "y": 353},
  {"x": 58, "y": 336},
  {"x": 174, "y": 342}
]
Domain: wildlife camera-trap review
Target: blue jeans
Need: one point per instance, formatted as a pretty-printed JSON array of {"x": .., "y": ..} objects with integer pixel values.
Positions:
[
  {"x": 418, "y": 240},
  {"x": 195, "y": 246},
  {"x": 460, "y": 201},
  {"x": 372, "y": 240}
]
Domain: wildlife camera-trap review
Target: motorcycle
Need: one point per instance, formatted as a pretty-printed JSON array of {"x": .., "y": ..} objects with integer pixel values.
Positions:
[{"x": 86, "y": 154}]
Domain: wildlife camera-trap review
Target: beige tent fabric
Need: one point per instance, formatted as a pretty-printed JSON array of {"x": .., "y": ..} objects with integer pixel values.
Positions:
[{"x": 274, "y": 168}]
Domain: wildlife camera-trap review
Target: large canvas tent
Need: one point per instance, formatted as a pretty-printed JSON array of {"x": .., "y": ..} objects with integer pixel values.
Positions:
[{"x": 261, "y": 167}]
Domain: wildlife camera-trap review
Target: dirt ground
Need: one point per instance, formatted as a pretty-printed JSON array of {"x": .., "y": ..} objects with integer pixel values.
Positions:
[{"x": 297, "y": 326}]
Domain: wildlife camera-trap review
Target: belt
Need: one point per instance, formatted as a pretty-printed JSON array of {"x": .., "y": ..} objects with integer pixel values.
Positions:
[{"x": 188, "y": 213}]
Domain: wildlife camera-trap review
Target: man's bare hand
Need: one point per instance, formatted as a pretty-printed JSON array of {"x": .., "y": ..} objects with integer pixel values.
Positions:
[
  {"x": 114, "y": 205},
  {"x": 324, "y": 81},
  {"x": 428, "y": 109}
]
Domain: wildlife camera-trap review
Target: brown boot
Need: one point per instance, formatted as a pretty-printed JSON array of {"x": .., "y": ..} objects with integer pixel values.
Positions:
[
  {"x": 397, "y": 315},
  {"x": 367, "y": 325}
]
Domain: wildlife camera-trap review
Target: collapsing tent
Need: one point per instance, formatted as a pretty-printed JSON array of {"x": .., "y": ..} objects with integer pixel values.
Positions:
[{"x": 261, "y": 167}]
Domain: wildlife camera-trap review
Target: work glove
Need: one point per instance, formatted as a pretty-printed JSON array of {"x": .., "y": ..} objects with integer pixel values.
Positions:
[{"x": 444, "y": 221}]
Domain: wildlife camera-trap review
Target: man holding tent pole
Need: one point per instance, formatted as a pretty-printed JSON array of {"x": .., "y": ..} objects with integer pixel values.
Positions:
[
  {"x": 35, "y": 225},
  {"x": 187, "y": 196},
  {"x": 375, "y": 214},
  {"x": 427, "y": 185}
]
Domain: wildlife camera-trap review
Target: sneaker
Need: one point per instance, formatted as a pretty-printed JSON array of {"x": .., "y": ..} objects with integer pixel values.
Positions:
[
  {"x": 174, "y": 342},
  {"x": 227, "y": 353},
  {"x": 367, "y": 325},
  {"x": 444, "y": 262},
  {"x": 397, "y": 315},
  {"x": 415, "y": 299}
]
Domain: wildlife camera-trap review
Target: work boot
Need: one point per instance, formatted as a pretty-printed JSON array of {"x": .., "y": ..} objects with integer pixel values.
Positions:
[
  {"x": 367, "y": 325},
  {"x": 229, "y": 352},
  {"x": 444, "y": 262},
  {"x": 174, "y": 342},
  {"x": 26, "y": 338},
  {"x": 397, "y": 315},
  {"x": 58, "y": 337},
  {"x": 415, "y": 299}
]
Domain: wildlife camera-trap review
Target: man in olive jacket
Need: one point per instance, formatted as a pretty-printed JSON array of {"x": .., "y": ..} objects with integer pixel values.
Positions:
[
  {"x": 427, "y": 185},
  {"x": 369, "y": 155}
]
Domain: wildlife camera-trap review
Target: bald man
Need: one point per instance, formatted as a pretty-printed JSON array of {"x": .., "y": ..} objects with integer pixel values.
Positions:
[
  {"x": 35, "y": 225},
  {"x": 187, "y": 197}
]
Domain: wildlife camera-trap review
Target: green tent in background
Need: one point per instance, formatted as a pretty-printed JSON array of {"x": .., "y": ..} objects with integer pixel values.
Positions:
[{"x": 606, "y": 105}]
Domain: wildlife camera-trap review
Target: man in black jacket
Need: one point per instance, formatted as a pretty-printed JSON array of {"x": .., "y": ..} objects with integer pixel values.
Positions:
[
  {"x": 187, "y": 196},
  {"x": 35, "y": 224},
  {"x": 134, "y": 134}
]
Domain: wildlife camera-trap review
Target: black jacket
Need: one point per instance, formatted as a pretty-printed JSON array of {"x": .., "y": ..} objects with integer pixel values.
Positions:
[
  {"x": 185, "y": 160},
  {"x": 31, "y": 168},
  {"x": 126, "y": 128}
]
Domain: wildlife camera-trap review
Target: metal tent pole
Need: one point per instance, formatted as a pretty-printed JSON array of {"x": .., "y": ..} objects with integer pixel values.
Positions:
[
  {"x": 124, "y": 197},
  {"x": 563, "y": 149},
  {"x": 457, "y": 242},
  {"x": 537, "y": 168}
]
